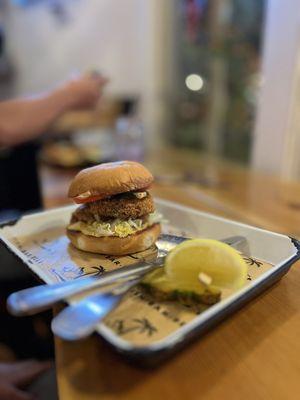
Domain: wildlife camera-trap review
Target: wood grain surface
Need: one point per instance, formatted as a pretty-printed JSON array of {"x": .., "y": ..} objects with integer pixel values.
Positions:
[{"x": 255, "y": 354}]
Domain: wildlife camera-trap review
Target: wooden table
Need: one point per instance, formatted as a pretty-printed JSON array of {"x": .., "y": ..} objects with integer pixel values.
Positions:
[{"x": 255, "y": 354}]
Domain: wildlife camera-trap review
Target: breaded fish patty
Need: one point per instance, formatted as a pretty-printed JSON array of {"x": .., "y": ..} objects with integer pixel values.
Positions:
[{"x": 122, "y": 206}]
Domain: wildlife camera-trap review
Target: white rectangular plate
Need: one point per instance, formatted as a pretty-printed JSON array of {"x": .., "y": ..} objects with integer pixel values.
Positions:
[{"x": 140, "y": 328}]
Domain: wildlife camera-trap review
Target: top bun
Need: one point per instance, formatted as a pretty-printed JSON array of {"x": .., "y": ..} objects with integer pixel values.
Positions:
[{"x": 111, "y": 178}]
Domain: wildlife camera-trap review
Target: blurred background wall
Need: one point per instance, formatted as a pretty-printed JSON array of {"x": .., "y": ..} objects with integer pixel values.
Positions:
[{"x": 46, "y": 44}]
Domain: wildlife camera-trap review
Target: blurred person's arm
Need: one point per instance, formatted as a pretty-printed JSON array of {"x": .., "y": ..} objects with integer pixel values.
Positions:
[{"x": 25, "y": 119}]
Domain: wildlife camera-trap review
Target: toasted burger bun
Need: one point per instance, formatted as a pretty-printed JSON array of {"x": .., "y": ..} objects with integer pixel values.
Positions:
[
  {"x": 110, "y": 178},
  {"x": 114, "y": 245}
]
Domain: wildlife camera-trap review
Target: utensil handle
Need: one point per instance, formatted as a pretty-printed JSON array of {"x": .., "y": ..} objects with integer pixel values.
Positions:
[
  {"x": 79, "y": 320},
  {"x": 38, "y": 298}
]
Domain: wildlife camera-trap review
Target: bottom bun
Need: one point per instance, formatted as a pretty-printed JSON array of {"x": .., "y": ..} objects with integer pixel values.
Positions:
[{"x": 114, "y": 245}]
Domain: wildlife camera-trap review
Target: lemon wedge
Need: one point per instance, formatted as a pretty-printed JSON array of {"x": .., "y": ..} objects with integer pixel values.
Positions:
[{"x": 217, "y": 262}]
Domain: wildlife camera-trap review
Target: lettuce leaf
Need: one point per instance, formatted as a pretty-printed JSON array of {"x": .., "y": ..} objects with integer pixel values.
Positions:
[{"x": 115, "y": 227}]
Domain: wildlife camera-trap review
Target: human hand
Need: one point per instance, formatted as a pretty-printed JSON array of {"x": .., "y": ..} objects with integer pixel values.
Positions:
[
  {"x": 17, "y": 375},
  {"x": 85, "y": 90}
]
